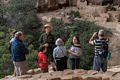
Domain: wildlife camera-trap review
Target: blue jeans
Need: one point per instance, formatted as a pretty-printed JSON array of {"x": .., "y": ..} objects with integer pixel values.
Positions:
[
  {"x": 99, "y": 63},
  {"x": 75, "y": 63}
]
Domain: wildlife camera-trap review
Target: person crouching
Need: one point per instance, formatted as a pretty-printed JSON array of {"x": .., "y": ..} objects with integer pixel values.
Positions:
[{"x": 42, "y": 59}]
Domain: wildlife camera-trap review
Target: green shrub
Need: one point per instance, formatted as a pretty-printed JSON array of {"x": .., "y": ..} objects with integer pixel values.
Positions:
[
  {"x": 74, "y": 14},
  {"x": 83, "y": 29}
]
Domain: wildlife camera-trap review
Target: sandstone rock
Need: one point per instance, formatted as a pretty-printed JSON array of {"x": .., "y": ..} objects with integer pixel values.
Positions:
[
  {"x": 116, "y": 2},
  {"x": 117, "y": 75},
  {"x": 76, "y": 77},
  {"x": 57, "y": 73},
  {"x": 92, "y": 72},
  {"x": 66, "y": 77},
  {"x": 100, "y": 2},
  {"x": 100, "y": 19},
  {"x": 81, "y": 5},
  {"x": 92, "y": 78},
  {"x": 80, "y": 71},
  {"x": 44, "y": 75},
  {"x": 44, "y": 18},
  {"x": 104, "y": 15},
  {"x": 36, "y": 71},
  {"x": 67, "y": 72},
  {"x": 73, "y": 2},
  {"x": 25, "y": 76},
  {"x": 62, "y": 1},
  {"x": 114, "y": 16},
  {"x": 41, "y": 5},
  {"x": 109, "y": 73},
  {"x": 105, "y": 78},
  {"x": 31, "y": 71},
  {"x": 99, "y": 9},
  {"x": 54, "y": 78},
  {"x": 51, "y": 3}
]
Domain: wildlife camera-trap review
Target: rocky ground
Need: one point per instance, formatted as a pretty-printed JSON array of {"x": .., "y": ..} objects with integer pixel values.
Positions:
[{"x": 113, "y": 73}]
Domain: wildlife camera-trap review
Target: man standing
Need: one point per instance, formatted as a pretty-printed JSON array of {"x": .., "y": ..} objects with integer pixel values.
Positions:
[
  {"x": 47, "y": 39},
  {"x": 101, "y": 50},
  {"x": 19, "y": 51}
]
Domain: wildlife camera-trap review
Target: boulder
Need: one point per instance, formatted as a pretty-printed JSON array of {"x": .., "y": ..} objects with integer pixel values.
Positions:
[
  {"x": 80, "y": 71},
  {"x": 114, "y": 16},
  {"x": 37, "y": 71},
  {"x": 66, "y": 77},
  {"x": 73, "y": 2},
  {"x": 91, "y": 77},
  {"x": 57, "y": 73},
  {"x": 92, "y": 72},
  {"x": 41, "y": 5},
  {"x": 100, "y": 19},
  {"x": 31, "y": 71},
  {"x": 25, "y": 77},
  {"x": 100, "y": 2},
  {"x": 67, "y": 72},
  {"x": 116, "y": 2},
  {"x": 81, "y": 5}
]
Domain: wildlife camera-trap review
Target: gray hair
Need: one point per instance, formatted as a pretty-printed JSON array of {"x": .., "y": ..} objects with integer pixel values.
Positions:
[
  {"x": 101, "y": 33},
  {"x": 17, "y": 34},
  {"x": 59, "y": 42}
]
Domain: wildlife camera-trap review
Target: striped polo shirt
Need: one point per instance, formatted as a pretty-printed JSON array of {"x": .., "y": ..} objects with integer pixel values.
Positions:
[{"x": 99, "y": 45}]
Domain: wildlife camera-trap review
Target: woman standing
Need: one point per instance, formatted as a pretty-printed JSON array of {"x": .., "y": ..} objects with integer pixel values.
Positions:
[{"x": 75, "y": 52}]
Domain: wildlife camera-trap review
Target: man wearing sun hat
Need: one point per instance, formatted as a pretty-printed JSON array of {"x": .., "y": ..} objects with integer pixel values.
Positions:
[
  {"x": 47, "y": 39},
  {"x": 100, "y": 43}
]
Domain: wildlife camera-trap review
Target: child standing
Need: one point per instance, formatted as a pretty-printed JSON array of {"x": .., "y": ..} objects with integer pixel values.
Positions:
[
  {"x": 42, "y": 59},
  {"x": 75, "y": 52},
  {"x": 60, "y": 55}
]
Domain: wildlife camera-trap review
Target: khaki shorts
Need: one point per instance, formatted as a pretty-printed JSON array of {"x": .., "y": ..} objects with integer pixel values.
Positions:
[{"x": 20, "y": 68}]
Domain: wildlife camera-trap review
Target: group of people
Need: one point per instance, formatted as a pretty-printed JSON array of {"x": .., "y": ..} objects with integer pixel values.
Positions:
[{"x": 51, "y": 51}]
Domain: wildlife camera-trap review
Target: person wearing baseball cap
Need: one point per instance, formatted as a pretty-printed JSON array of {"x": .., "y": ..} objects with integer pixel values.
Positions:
[{"x": 47, "y": 39}]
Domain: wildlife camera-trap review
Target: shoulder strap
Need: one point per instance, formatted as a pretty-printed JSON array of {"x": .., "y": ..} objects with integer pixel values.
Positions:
[{"x": 62, "y": 51}]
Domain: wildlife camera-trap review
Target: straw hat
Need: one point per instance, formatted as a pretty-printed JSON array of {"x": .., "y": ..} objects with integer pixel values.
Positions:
[{"x": 47, "y": 25}]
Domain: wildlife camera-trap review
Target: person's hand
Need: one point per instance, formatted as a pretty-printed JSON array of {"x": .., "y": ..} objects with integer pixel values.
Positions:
[
  {"x": 46, "y": 44},
  {"x": 95, "y": 34},
  {"x": 69, "y": 51}
]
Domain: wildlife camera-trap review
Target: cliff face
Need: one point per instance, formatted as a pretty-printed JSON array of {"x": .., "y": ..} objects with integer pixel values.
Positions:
[{"x": 55, "y": 4}]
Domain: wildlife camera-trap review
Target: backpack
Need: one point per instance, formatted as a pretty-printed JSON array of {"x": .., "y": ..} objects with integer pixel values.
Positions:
[{"x": 104, "y": 52}]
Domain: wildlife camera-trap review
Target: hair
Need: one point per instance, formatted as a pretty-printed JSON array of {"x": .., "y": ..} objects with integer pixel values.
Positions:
[
  {"x": 78, "y": 41},
  {"x": 101, "y": 33},
  {"x": 42, "y": 48},
  {"x": 59, "y": 42},
  {"x": 19, "y": 33}
]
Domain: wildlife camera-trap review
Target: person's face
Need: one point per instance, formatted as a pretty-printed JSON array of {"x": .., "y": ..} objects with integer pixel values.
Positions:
[
  {"x": 75, "y": 40},
  {"x": 48, "y": 29},
  {"x": 45, "y": 50},
  {"x": 21, "y": 37}
]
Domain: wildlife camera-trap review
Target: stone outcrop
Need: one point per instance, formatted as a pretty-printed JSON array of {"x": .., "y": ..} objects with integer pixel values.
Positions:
[
  {"x": 114, "y": 16},
  {"x": 116, "y": 2},
  {"x": 78, "y": 74}
]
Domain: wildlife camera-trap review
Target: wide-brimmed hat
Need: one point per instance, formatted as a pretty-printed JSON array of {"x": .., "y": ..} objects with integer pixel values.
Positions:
[{"x": 47, "y": 25}]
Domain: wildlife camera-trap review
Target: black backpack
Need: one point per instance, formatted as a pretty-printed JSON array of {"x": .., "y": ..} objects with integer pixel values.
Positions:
[{"x": 104, "y": 49}]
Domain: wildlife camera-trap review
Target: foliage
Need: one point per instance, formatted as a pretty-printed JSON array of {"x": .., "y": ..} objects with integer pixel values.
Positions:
[
  {"x": 74, "y": 14},
  {"x": 84, "y": 30},
  {"x": 21, "y": 15}
]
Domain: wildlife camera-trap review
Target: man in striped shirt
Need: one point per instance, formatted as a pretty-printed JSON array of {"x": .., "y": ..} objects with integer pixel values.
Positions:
[{"x": 100, "y": 44}]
